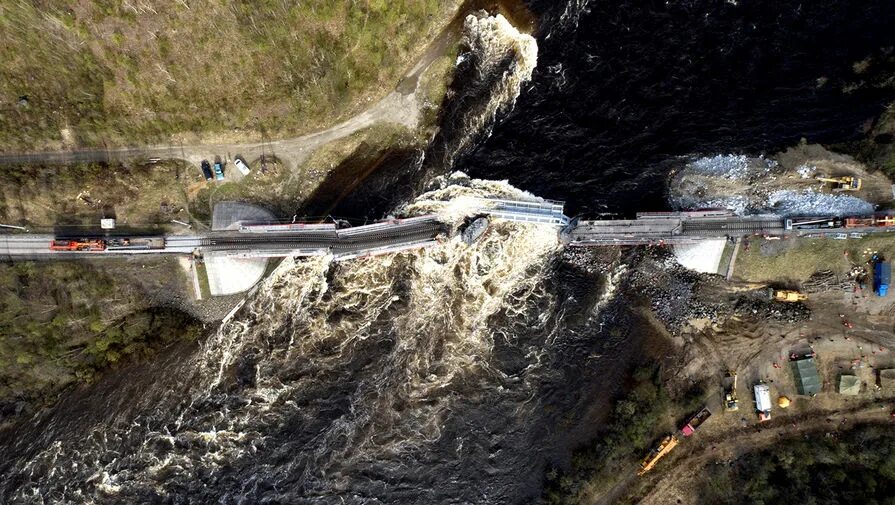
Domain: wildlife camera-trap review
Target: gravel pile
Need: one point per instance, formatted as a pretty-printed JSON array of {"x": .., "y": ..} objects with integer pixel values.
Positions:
[
  {"x": 777, "y": 311},
  {"x": 747, "y": 185},
  {"x": 671, "y": 290},
  {"x": 732, "y": 166}
]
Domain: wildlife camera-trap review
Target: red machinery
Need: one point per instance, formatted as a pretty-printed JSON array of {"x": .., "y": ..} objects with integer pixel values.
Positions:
[{"x": 78, "y": 245}]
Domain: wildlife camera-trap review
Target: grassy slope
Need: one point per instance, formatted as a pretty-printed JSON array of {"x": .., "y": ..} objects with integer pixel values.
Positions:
[
  {"x": 806, "y": 256},
  {"x": 149, "y": 197},
  {"x": 82, "y": 194},
  {"x": 113, "y": 72}
]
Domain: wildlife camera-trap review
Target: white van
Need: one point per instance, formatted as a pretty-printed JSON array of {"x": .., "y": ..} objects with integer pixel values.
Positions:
[{"x": 241, "y": 165}]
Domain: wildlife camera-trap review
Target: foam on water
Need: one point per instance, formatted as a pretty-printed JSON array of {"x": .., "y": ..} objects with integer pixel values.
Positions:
[{"x": 433, "y": 310}]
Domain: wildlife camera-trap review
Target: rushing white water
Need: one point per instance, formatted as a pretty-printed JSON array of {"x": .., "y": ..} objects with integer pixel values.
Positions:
[
  {"x": 426, "y": 321},
  {"x": 492, "y": 41}
]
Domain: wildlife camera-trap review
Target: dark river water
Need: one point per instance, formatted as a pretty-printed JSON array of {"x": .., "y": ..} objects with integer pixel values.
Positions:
[
  {"x": 457, "y": 374},
  {"x": 624, "y": 88}
]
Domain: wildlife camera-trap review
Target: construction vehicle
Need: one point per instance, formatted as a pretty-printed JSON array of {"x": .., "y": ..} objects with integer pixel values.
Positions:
[
  {"x": 731, "y": 404},
  {"x": 695, "y": 421},
  {"x": 658, "y": 452},
  {"x": 763, "y": 402},
  {"x": 786, "y": 295},
  {"x": 844, "y": 183},
  {"x": 88, "y": 245}
]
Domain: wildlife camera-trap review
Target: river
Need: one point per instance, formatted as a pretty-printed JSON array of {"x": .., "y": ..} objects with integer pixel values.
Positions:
[{"x": 458, "y": 373}]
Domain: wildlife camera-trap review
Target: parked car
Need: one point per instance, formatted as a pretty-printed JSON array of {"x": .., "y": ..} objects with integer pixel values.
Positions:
[
  {"x": 241, "y": 165},
  {"x": 206, "y": 170},
  {"x": 219, "y": 171}
]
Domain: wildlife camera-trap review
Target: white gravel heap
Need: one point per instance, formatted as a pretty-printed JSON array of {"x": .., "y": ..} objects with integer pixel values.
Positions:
[
  {"x": 812, "y": 203},
  {"x": 732, "y": 166},
  {"x": 745, "y": 197},
  {"x": 806, "y": 171}
]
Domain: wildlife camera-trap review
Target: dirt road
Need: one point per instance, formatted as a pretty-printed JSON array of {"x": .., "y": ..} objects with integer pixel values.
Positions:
[{"x": 676, "y": 484}]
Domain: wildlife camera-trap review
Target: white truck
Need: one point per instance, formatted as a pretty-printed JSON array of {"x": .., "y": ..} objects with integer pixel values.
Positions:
[{"x": 763, "y": 402}]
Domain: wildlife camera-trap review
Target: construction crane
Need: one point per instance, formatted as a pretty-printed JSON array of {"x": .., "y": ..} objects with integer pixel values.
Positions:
[
  {"x": 844, "y": 183},
  {"x": 658, "y": 452},
  {"x": 731, "y": 404},
  {"x": 786, "y": 295}
]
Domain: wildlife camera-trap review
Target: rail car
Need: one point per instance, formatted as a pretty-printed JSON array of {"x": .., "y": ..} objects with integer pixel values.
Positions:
[
  {"x": 82, "y": 245},
  {"x": 286, "y": 228},
  {"x": 110, "y": 244},
  {"x": 875, "y": 221},
  {"x": 812, "y": 223},
  {"x": 141, "y": 243}
]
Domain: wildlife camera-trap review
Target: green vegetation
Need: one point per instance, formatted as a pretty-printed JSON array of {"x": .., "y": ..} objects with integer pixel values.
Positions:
[
  {"x": 114, "y": 72},
  {"x": 854, "y": 467},
  {"x": 62, "y": 322},
  {"x": 81, "y": 194},
  {"x": 635, "y": 423},
  {"x": 149, "y": 197},
  {"x": 434, "y": 84},
  {"x": 796, "y": 260}
]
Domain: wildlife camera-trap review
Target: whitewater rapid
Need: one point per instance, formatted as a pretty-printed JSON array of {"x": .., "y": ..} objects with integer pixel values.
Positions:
[
  {"x": 338, "y": 378},
  {"x": 494, "y": 62},
  {"x": 429, "y": 376}
]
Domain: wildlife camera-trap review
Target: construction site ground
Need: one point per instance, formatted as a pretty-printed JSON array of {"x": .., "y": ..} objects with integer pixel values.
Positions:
[
  {"x": 850, "y": 332},
  {"x": 754, "y": 180}
]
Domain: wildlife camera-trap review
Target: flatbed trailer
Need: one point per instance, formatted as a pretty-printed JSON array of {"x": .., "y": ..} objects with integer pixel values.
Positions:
[{"x": 139, "y": 243}]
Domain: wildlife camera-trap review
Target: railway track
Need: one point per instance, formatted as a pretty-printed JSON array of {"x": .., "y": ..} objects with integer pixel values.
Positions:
[
  {"x": 730, "y": 227},
  {"x": 356, "y": 240}
]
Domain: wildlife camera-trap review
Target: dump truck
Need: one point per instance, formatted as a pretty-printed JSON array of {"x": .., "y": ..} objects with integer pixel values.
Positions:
[
  {"x": 786, "y": 295},
  {"x": 763, "y": 402},
  {"x": 882, "y": 276},
  {"x": 695, "y": 421},
  {"x": 658, "y": 452},
  {"x": 731, "y": 404},
  {"x": 85, "y": 245},
  {"x": 845, "y": 183}
]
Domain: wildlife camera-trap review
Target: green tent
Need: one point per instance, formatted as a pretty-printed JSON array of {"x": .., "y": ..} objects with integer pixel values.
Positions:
[
  {"x": 806, "y": 375},
  {"x": 849, "y": 385}
]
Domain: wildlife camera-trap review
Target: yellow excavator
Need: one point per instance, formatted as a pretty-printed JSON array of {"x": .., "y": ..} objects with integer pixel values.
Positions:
[
  {"x": 844, "y": 183},
  {"x": 786, "y": 295},
  {"x": 731, "y": 404}
]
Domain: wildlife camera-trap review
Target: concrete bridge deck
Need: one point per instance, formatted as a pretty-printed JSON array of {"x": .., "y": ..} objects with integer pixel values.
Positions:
[
  {"x": 676, "y": 228},
  {"x": 353, "y": 242},
  {"x": 244, "y": 236}
]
